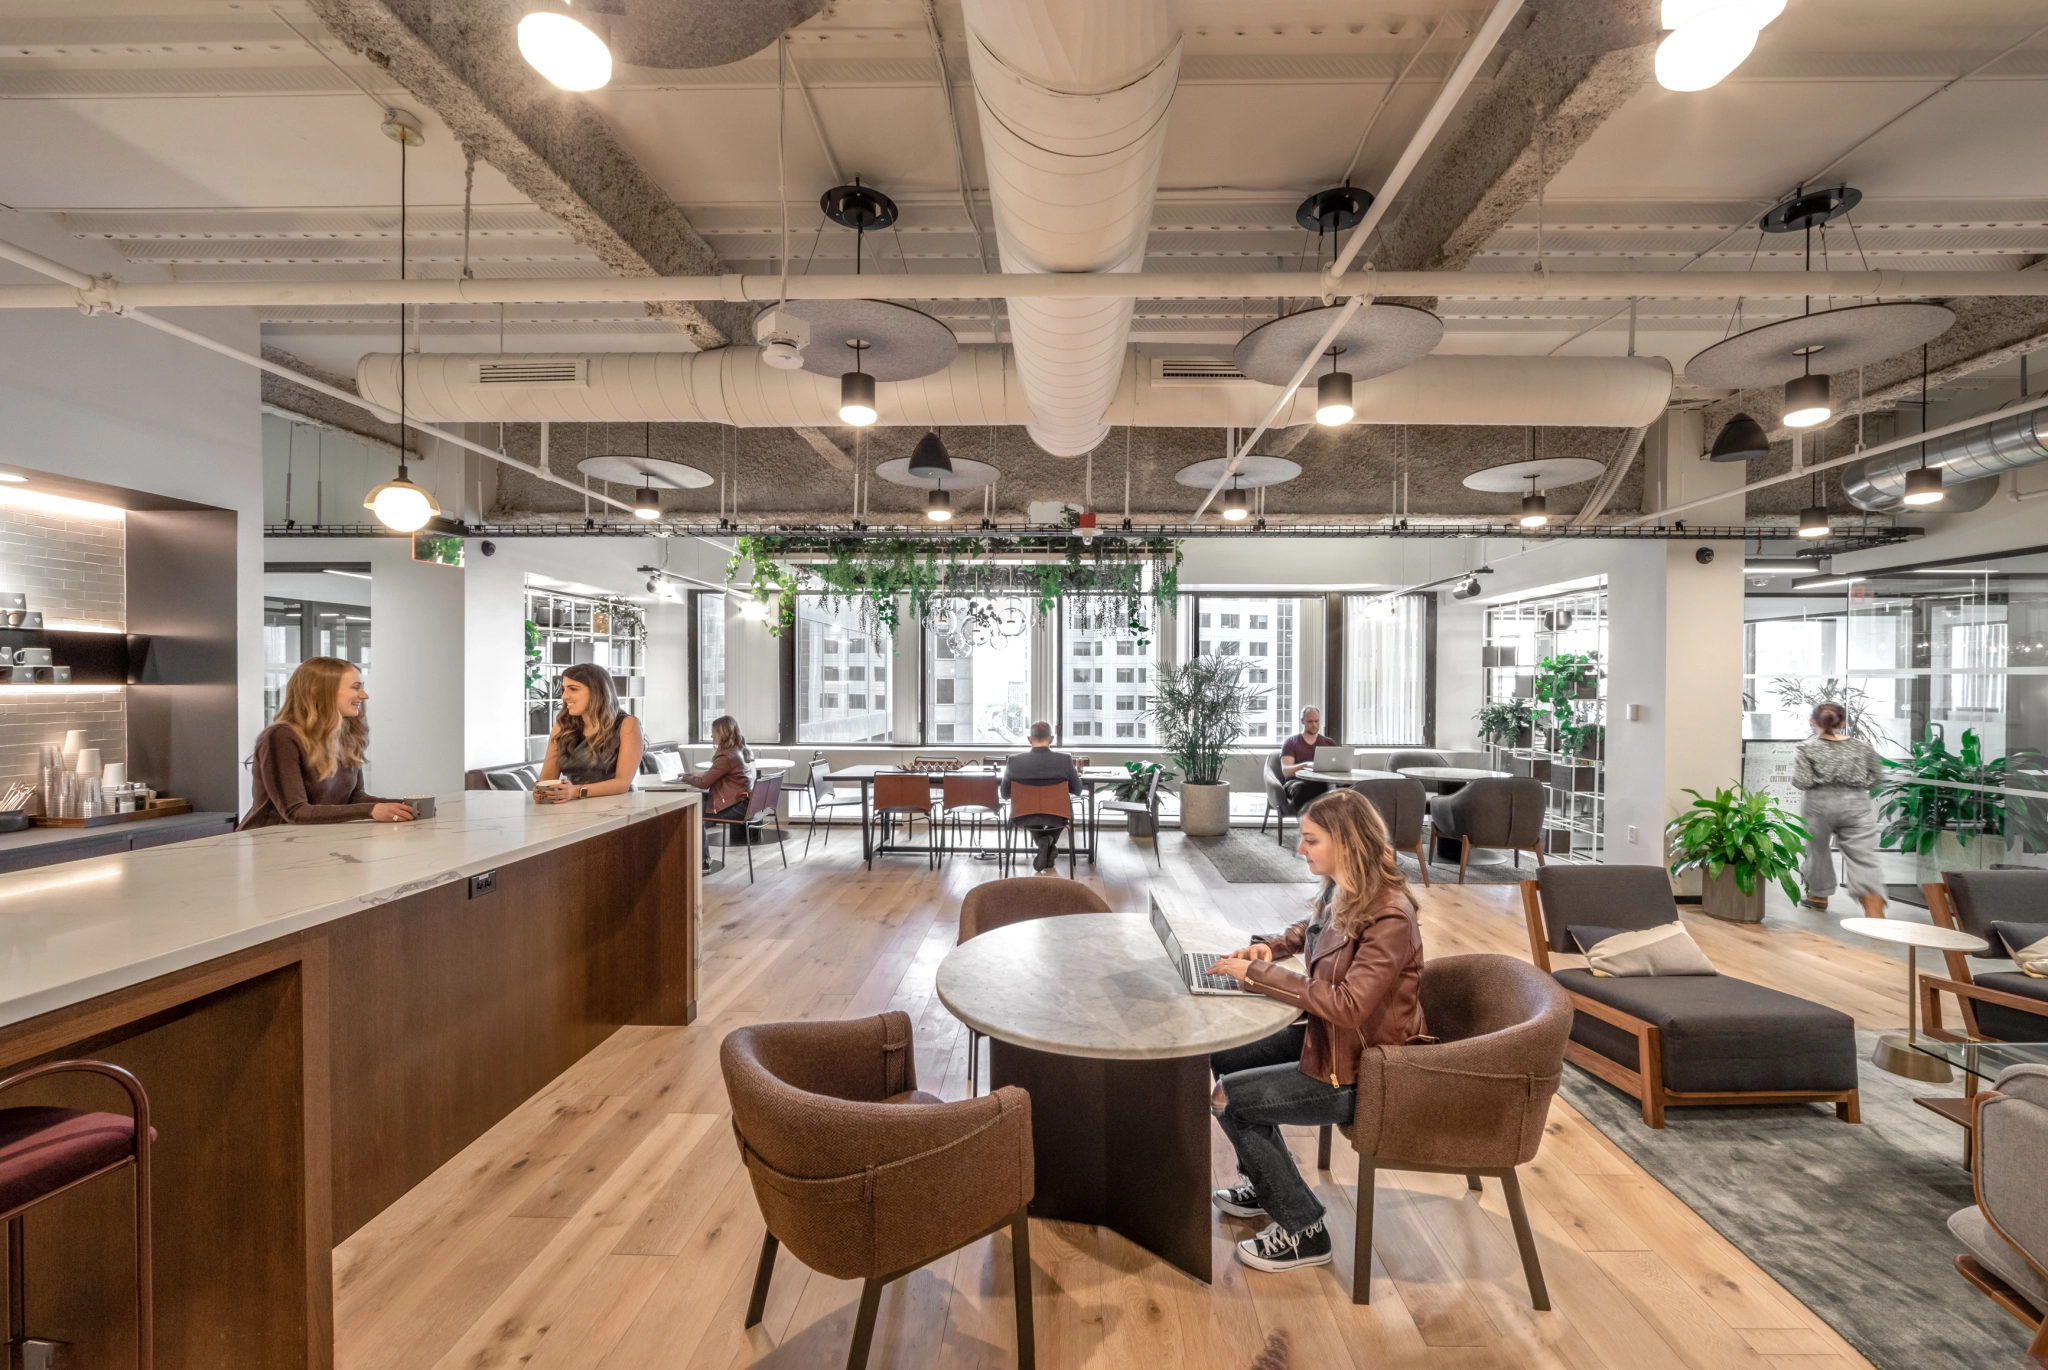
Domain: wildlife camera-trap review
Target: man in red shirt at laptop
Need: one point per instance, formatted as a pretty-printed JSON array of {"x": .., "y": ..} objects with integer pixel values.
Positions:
[{"x": 1298, "y": 753}]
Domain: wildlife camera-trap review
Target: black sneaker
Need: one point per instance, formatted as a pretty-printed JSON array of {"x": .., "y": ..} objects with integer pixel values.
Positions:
[
  {"x": 1274, "y": 1249},
  {"x": 1239, "y": 1201}
]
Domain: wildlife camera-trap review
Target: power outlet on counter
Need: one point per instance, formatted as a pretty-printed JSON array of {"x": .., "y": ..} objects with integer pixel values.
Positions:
[{"x": 482, "y": 883}]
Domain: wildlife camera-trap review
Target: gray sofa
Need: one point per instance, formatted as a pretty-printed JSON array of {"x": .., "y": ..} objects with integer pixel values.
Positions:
[{"x": 1676, "y": 1040}]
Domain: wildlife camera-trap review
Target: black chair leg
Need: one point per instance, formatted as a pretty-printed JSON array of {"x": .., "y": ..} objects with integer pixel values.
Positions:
[
  {"x": 1323, "y": 1147},
  {"x": 763, "y": 1272},
  {"x": 748, "y": 842},
  {"x": 1020, "y": 1279},
  {"x": 864, "y": 1325},
  {"x": 1532, "y": 1268},
  {"x": 1361, "y": 1251},
  {"x": 776, "y": 819},
  {"x": 814, "y": 831},
  {"x": 1263, "y": 817}
]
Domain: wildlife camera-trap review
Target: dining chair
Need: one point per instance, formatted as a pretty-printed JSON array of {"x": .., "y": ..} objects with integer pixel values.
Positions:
[
  {"x": 1041, "y": 806},
  {"x": 976, "y": 797},
  {"x": 825, "y": 797},
  {"x": 1148, "y": 806},
  {"x": 908, "y": 797},
  {"x": 999, "y": 903},
  {"x": 761, "y": 808}
]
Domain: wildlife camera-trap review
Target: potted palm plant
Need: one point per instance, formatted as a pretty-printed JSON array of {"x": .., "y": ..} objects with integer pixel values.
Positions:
[
  {"x": 1739, "y": 840},
  {"x": 1199, "y": 707}
]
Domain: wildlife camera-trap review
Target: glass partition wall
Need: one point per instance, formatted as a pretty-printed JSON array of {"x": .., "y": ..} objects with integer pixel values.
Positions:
[{"x": 1944, "y": 671}]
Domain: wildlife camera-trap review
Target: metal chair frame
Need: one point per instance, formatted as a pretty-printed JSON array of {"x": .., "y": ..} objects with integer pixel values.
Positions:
[
  {"x": 824, "y": 797},
  {"x": 762, "y": 804},
  {"x": 1032, "y": 800},
  {"x": 886, "y": 813}
]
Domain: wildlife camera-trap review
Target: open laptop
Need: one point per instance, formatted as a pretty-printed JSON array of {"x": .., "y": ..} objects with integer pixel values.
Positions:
[
  {"x": 1193, "y": 966},
  {"x": 1334, "y": 759}
]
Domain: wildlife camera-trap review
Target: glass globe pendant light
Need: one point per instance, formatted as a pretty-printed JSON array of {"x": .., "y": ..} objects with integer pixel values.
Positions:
[{"x": 398, "y": 504}]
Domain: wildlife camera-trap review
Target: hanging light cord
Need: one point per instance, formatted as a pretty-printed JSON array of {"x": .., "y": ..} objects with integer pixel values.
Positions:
[{"x": 402, "y": 368}]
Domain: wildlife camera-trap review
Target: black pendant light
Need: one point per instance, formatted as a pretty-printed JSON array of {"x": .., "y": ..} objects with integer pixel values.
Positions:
[
  {"x": 1923, "y": 483},
  {"x": 929, "y": 460},
  {"x": 1813, "y": 519},
  {"x": 1742, "y": 438},
  {"x": 938, "y": 506},
  {"x": 646, "y": 504},
  {"x": 1235, "y": 507},
  {"x": 1333, "y": 395},
  {"x": 1535, "y": 508}
]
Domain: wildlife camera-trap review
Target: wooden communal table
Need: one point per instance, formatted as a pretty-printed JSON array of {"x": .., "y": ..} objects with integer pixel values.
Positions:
[
  {"x": 864, "y": 776},
  {"x": 322, "y": 1017},
  {"x": 1088, "y": 1016}
]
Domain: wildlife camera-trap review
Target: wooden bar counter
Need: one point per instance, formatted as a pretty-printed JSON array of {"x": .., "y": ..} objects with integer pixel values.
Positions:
[{"x": 322, "y": 1016}]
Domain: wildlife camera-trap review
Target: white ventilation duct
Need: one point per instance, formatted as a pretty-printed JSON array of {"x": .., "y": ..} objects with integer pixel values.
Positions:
[
  {"x": 1073, "y": 97},
  {"x": 734, "y": 386}
]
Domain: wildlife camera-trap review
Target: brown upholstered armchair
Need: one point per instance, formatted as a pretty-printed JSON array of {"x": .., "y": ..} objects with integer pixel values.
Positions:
[
  {"x": 1998, "y": 1006},
  {"x": 864, "y": 1176},
  {"x": 1473, "y": 1102},
  {"x": 997, "y": 904}
]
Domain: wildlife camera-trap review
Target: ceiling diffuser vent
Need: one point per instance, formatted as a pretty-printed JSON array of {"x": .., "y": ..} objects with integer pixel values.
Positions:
[
  {"x": 558, "y": 373},
  {"x": 1195, "y": 370}
]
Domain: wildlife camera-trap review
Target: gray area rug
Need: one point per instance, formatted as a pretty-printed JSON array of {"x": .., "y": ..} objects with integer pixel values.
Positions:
[
  {"x": 1852, "y": 1220},
  {"x": 1245, "y": 856}
]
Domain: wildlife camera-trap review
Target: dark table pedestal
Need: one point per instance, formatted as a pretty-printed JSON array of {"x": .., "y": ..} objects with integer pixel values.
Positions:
[{"x": 1121, "y": 1144}]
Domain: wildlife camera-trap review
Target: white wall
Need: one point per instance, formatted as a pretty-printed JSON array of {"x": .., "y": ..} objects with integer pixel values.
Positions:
[{"x": 108, "y": 400}]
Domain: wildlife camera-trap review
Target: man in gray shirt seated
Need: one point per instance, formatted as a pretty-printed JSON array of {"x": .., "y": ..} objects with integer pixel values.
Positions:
[{"x": 1042, "y": 766}]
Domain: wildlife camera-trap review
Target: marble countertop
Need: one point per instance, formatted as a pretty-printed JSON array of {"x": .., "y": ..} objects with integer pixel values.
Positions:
[
  {"x": 70, "y": 932},
  {"x": 1099, "y": 985}
]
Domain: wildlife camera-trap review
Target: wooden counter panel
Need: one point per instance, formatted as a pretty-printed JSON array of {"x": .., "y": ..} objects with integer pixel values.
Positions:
[{"x": 451, "y": 1011}]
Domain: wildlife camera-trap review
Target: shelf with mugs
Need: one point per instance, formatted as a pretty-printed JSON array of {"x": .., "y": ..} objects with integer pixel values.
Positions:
[{"x": 54, "y": 660}]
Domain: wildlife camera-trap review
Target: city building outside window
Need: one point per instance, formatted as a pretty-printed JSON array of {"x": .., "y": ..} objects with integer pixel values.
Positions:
[
  {"x": 831, "y": 636},
  {"x": 980, "y": 695},
  {"x": 710, "y": 660},
  {"x": 1094, "y": 628},
  {"x": 1264, "y": 635}
]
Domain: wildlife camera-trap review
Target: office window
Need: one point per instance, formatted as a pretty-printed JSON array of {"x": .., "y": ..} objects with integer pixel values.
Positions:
[
  {"x": 1256, "y": 648},
  {"x": 1203, "y": 621},
  {"x": 1228, "y": 647},
  {"x": 1257, "y": 675},
  {"x": 710, "y": 606},
  {"x": 1258, "y": 622},
  {"x": 1098, "y": 628},
  {"x": 1268, "y": 644},
  {"x": 1386, "y": 670},
  {"x": 836, "y": 629},
  {"x": 978, "y": 692}
]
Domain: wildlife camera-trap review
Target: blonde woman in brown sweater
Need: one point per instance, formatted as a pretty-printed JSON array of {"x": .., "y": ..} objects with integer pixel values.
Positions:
[{"x": 309, "y": 763}]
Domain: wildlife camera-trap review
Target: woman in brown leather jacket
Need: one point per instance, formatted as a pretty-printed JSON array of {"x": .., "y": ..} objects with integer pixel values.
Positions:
[
  {"x": 1363, "y": 951},
  {"x": 728, "y": 782}
]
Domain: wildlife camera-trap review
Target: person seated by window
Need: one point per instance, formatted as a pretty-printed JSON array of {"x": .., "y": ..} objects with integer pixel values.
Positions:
[
  {"x": 728, "y": 782},
  {"x": 1363, "y": 950},
  {"x": 594, "y": 749},
  {"x": 1298, "y": 753},
  {"x": 1042, "y": 766},
  {"x": 309, "y": 763}
]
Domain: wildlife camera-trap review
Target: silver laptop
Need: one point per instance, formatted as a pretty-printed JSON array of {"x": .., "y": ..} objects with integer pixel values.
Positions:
[
  {"x": 1194, "y": 965},
  {"x": 1334, "y": 759}
]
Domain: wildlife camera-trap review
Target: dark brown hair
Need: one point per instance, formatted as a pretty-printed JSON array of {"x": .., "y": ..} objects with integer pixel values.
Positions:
[
  {"x": 1829, "y": 718},
  {"x": 600, "y": 722}
]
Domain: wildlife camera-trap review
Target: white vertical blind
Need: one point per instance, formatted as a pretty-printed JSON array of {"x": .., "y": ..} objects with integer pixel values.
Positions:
[{"x": 1386, "y": 670}]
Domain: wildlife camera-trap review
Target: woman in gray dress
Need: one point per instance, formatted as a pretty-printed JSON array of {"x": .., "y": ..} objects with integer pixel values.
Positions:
[
  {"x": 594, "y": 749},
  {"x": 1835, "y": 773}
]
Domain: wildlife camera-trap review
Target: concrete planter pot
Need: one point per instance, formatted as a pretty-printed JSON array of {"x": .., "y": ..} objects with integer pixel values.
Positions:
[
  {"x": 1204, "y": 810},
  {"x": 1983, "y": 851},
  {"x": 1721, "y": 898}
]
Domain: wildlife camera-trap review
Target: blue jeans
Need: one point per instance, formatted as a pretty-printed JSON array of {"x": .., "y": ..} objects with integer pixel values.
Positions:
[{"x": 1264, "y": 1088}]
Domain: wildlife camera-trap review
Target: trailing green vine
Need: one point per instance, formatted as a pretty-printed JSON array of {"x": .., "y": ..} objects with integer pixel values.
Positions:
[{"x": 882, "y": 573}]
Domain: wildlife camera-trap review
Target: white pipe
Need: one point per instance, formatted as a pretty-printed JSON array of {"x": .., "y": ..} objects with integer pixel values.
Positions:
[
  {"x": 733, "y": 386},
  {"x": 1802, "y": 472},
  {"x": 1461, "y": 78},
  {"x": 1073, "y": 96},
  {"x": 1221, "y": 285}
]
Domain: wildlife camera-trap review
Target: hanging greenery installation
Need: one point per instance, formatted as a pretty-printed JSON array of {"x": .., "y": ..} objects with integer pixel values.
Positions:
[{"x": 884, "y": 575}]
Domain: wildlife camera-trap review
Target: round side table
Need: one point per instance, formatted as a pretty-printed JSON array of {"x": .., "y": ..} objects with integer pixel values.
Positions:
[{"x": 1894, "y": 1051}]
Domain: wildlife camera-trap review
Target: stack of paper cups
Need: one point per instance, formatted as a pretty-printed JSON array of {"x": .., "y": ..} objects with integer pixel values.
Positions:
[
  {"x": 116, "y": 774},
  {"x": 74, "y": 743},
  {"x": 89, "y": 761}
]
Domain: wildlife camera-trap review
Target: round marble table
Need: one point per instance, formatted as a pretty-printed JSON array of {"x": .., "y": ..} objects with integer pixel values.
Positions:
[
  {"x": 1457, "y": 774},
  {"x": 1351, "y": 777},
  {"x": 1894, "y": 1053},
  {"x": 1086, "y": 1014}
]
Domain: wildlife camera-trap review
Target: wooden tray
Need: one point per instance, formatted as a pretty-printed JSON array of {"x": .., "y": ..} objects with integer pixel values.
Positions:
[{"x": 160, "y": 808}]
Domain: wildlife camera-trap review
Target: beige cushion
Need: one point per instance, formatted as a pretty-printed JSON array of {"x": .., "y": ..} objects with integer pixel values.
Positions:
[
  {"x": 1970, "y": 1227},
  {"x": 2033, "y": 959},
  {"x": 1664, "y": 950}
]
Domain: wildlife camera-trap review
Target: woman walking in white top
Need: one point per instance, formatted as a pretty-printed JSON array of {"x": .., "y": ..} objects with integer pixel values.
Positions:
[{"x": 1835, "y": 773}]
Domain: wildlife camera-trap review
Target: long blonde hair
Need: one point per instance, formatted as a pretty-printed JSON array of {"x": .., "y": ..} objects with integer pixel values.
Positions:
[
  {"x": 312, "y": 710},
  {"x": 599, "y": 725},
  {"x": 1366, "y": 867}
]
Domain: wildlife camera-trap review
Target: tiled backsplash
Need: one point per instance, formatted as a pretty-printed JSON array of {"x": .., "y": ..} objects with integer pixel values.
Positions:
[{"x": 73, "y": 568}]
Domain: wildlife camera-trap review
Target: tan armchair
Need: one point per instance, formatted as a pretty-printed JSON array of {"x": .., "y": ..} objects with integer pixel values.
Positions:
[
  {"x": 997, "y": 904},
  {"x": 2005, "y": 1236},
  {"x": 860, "y": 1173},
  {"x": 1472, "y": 1103}
]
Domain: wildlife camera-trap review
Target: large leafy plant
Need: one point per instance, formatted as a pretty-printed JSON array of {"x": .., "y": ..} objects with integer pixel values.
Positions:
[
  {"x": 1797, "y": 697},
  {"x": 1200, "y": 707},
  {"x": 1134, "y": 789},
  {"x": 1965, "y": 799},
  {"x": 1745, "y": 831}
]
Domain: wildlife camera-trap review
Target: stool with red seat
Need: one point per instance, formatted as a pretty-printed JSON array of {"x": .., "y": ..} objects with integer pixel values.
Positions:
[{"x": 45, "y": 1151}]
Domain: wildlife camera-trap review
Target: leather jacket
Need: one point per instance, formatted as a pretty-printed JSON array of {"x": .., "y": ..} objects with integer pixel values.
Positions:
[
  {"x": 1360, "y": 992},
  {"x": 729, "y": 780}
]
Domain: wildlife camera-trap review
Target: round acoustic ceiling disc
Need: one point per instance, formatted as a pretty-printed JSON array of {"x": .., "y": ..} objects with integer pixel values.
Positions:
[
  {"x": 1831, "y": 343},
  {"x": 644, "y": 472},
  {"x": 1252, "y": 473},
  {"x": 901, "y": 344},
  {"x": 1551, "y": 473},
  {"x": 1379, "y": 338},
  {"x": 967, "y": 475}
]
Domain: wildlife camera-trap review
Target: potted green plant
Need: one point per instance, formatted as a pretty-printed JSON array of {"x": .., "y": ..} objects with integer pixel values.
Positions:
[
  {"x": 1580, "y": 737},
  {"x": 1567, "y": 676},
  {"x": 1948, "y": 826},
  {"x": 1505, "y": 723},
  {"x": 1134, "y": 790},
  {"x": 1739, "y": 841},
  {"x": 1199, "y": 707}
]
